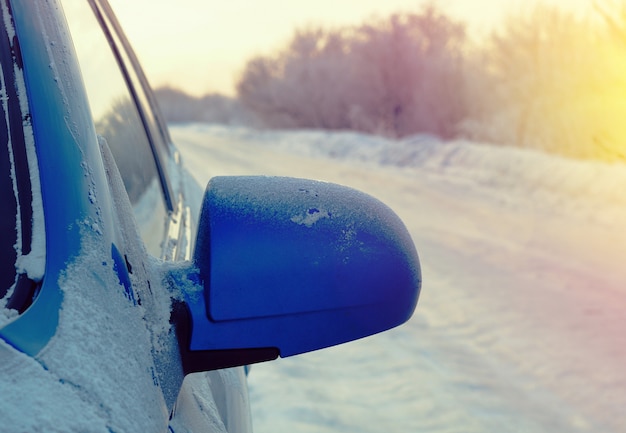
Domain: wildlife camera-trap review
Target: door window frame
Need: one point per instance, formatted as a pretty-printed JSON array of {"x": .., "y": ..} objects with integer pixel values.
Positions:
[{"x": 141, "y": 94}]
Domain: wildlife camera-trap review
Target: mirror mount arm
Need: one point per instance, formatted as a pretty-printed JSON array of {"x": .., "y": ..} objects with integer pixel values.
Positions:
[{"x": 205, "y": 360}]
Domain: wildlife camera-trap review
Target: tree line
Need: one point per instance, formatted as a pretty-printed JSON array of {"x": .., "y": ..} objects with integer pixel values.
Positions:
[{"x": 548, "y": 80}]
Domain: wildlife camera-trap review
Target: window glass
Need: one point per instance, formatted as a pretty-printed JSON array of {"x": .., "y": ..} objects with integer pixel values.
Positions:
[
  {"x": 156, "y": 131},
  {"x": 142, "y": 94},
  {"x": 117, "y": 120}
]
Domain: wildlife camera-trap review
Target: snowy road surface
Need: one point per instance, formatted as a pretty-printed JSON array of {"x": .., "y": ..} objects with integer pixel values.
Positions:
[{"x": 521, "y": 325}]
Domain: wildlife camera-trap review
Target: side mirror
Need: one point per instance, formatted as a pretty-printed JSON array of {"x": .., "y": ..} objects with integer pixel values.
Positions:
[{"x": 284, "y": 266}]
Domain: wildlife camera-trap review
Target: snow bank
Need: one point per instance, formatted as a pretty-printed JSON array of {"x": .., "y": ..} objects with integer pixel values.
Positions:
[{"x": 588, "y": 190}]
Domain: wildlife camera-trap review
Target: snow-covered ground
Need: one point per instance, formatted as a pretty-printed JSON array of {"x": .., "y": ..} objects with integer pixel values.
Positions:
[{"x": 521, "y": 325}]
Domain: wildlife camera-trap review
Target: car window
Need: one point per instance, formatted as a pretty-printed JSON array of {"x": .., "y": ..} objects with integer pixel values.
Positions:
[
  {"x": 118, "y": 121},
  {"x": 154, "y": 123},
  {"x": 153, "y": 120}
]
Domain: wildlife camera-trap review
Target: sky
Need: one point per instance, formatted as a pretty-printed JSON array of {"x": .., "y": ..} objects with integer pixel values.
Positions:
[{"x": 202, "y": 46}]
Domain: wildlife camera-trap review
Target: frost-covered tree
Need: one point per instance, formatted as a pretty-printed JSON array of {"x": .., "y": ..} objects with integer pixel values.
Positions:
[
  {"x": 395, "y": 76},
  {"x": 414, "y": 63},
  {"x": 551, "y": 81},
  {"x": 178, "y": 106}
]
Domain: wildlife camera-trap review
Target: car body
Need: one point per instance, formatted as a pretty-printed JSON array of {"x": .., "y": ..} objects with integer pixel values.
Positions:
[{"x": 125, "y": 308}]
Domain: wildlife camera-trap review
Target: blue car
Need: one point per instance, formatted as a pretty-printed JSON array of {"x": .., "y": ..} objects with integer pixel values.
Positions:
[{"x": 122, "y": 310}]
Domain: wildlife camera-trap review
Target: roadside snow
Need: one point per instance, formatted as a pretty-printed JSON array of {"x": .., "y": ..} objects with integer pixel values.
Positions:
[
  {"x": 521, "y": 324},
  {"x": 575, "y": 188}
]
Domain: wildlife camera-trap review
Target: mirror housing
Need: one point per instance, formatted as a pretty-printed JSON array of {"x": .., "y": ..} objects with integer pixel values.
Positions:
[{"x": 284, "y": 266}]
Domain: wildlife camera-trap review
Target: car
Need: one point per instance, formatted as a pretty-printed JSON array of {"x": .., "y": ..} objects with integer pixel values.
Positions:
[{"x": 121, "y": 308}]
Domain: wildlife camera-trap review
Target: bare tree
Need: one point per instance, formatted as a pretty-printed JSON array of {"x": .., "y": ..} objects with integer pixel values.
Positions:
[
  {"x": 178, "y": 106},
  {"x": 555, "y": 84},
  {"x": 393, "y": 76}
]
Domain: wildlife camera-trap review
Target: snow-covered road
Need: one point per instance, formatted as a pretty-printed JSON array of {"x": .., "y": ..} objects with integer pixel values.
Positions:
[{"x": 521, "y": 325}]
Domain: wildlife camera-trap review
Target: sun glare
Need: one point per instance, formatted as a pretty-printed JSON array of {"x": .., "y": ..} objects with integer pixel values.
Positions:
[{"x": 201, "y": 46}]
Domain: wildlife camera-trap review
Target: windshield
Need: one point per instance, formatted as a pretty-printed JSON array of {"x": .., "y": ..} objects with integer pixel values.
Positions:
[
  {"x": 18, "y": 167},
  {"x": 8, "y": 216}
]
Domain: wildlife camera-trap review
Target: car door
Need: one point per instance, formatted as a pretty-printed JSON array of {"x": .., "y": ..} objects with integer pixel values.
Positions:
[{"x": 128, "y": 122}]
